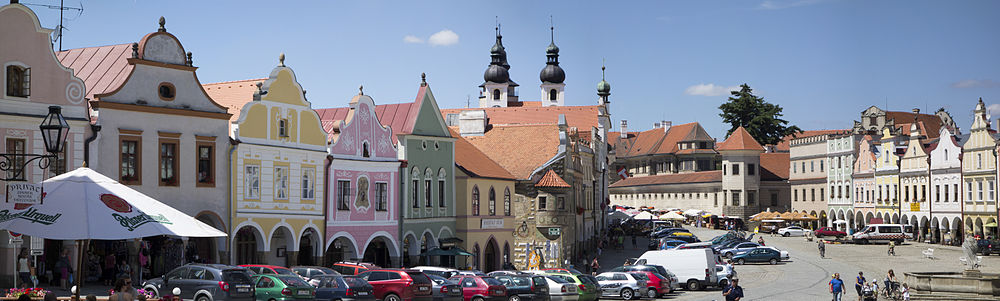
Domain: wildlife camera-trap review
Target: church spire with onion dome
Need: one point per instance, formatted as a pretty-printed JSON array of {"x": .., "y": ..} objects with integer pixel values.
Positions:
[
  {"x": 552, "y": 76},
  {"x": 497, "y": 89}
]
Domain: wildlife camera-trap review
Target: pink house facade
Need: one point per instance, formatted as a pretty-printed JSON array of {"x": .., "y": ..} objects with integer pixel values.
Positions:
[{"x": 363, "y": 184}]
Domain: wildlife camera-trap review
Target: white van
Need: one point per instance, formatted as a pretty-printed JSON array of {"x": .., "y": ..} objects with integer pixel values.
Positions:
[
  {"x": 695, "y": 268},
  {"x": 881, "y": 233}
]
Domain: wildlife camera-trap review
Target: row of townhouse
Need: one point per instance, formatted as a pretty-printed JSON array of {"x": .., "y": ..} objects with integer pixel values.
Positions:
[
  {"x": 904, "y": 168},
  {"x": 523, "y": 182}
]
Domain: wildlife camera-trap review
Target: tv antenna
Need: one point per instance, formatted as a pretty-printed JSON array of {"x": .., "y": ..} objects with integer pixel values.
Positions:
[{"x": 62, "y": 8}]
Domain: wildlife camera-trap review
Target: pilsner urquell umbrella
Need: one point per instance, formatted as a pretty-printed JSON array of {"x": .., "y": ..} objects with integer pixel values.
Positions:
[{"x": 84, "y": 204}]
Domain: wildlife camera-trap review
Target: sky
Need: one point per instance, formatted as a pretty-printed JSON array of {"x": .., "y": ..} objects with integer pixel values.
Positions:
[{"x": 823, "y": 61}]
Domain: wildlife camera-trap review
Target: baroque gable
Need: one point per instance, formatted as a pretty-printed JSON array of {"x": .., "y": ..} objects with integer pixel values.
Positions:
[
  {"x": 280, "y": 115},
  {"x": 361, "y": 136}
]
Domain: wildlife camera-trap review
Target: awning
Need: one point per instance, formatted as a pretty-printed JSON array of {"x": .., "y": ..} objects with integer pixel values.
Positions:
[
  {"x": 453, "y": 251},
  {"x": 991, "y": 225}
]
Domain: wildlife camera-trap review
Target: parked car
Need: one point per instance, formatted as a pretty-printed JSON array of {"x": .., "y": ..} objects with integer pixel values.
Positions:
[
  {"x": 828, "y": 231},
  {"x": 685, "y": 238},
  {"x": 309, "y": 273},
  {"x": 443, "y": 289},
  {"x": 792, "y": 231},
  {"x": 439, "y": 271},
  {"x": 205, "y": 282},
  {"x": 568, "y": 270},
  {"x": 667, "y": 231},
  {"x": 765, "y": 254},
  {"x": 695, "y": 268},
  {"x": 560, "y": 289},
  {"x": 661, "y": 281},
  {"x": 471, "y": 273},
  {"x": 782, "y": 255},
  {"x": 587, "y": 286},
  {"x": 667, "y": 244},
  {"x": 987, "y": 247},
  {"x": 525, "y": 287},
  {"x": 506, "y": 272},
  {"x": 727, "y": 244},
  {"x": 881, "y": 232},
  {"x": 263, "y": 269},
  {"x": 353, "y": 268},
  {"x": 274, "y": 287},
  {"x": 693, "y": 245},
  {"x": 724, "y": 273},
  {"x": 625, "y": 285},
  {"x": 399, "y": 284},
  {"x": 481, "y": 288},
  {"x": 728, "y": 252},
  {"x": 343, "y": 288}
]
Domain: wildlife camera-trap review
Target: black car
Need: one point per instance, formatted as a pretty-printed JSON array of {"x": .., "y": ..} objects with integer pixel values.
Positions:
[
  {"x": 309, "y": 273},
  {"x": 343, "y": 288},
  {"x": 727, "y": 244},
  {"x": 524, "y": 287},
  {"x": 204, "y": 282},
  {"x": 445, "y": 289},
  {"x": 987, "y": 247}
]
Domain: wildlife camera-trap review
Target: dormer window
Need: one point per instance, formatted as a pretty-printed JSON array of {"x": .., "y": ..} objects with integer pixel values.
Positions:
[
  {"x": 283, "y": 128},
  {"x": 166, "y": 91},
  {"x": 18, "y": 81}
]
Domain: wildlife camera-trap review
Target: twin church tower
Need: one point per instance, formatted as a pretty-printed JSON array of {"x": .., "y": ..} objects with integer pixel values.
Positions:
[{"x": 498, "y": 90}]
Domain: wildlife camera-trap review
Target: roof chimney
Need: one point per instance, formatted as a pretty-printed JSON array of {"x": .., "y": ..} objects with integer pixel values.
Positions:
[
  {"x": 624, "y": 128},
  {"x": 472, "y": 123},
  {"x": 666, "y": 125},
  {"x": 916, "y": 110},
  {"x": 656, "y": 125}
]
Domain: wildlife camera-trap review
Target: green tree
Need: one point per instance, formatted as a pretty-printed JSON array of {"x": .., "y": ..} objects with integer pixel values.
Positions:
[{"x": 760, "y": 118}]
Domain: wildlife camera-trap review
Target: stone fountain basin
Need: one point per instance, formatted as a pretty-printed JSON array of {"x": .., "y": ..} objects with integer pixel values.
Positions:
[{"x": 969, "y": 282}]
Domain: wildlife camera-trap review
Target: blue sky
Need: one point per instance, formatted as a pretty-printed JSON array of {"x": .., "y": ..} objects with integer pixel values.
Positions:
[{"x": 823, "y": 61}]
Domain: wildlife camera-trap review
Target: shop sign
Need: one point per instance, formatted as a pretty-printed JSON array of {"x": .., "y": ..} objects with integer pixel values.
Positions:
[
  {"x": 24, "y": 193},
  {"x": 914, "y": 206},
  {"x": 491, "y": 223},
  {"x": 555, "y": 231}
]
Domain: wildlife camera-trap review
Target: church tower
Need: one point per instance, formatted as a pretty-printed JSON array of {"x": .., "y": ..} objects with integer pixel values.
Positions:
[
  {"x": 497, "y": 89},
  {"x": 552, "y": 75}
]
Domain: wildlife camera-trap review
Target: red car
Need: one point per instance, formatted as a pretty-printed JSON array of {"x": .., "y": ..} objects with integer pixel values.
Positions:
[
  {"x": 399, "y": 285},
  {"x": 827, "y": 231},
  {"x": 481, "y": 288},
  {"x": 264, "y": 269},
  {"x": 353, "y": 268}
]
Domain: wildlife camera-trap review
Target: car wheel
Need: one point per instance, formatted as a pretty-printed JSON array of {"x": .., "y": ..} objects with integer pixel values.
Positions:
[
  {"x": 393, "y": 297},
  {"x": 473, "y": 299},
  {"x": 651, "y": 293},
  {"x": 156, "y": 294},
  {"x": 627, "y": 294},
  {"x": 723, "y": 283},
  {"x": 774, "y": 261},
  {"x": 741, "y": 261},
  {"x": 728, "y": 255},
  {"x": 203, "y": 298},
  {"x": 693, "y": 285},
  {"x": 515, "y": 298},
  {"x": 785, "y": 234}
]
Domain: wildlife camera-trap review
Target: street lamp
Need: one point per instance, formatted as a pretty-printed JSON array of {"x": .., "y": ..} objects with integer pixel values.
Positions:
[{"x": 54, "y": 130}]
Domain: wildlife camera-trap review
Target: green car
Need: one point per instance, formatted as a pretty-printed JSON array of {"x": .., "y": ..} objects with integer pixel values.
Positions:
[
  {"x": 283, "y": 288},
  {"x": 589, "y": 290}
]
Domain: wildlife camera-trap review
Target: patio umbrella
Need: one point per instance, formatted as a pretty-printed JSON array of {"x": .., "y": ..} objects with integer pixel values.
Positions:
[
  {"x": 84, "y": 204},
  {"x": 693, "y": 212},
  {"x": 644, "y": 216},
  {"x": 787, "y": 215},
  {"x": 802, "y": 216},
  {"x": 671, "y": 216},
  {"x": 618, "y": 215}
]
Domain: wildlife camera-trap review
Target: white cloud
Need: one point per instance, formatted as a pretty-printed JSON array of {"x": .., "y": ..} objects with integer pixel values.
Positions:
[
  {"x": 975, "y": 83},
  {"x": 443, "y": 38},
  {"x": 411, "y": 39},
  {"x": 709, "y": 90},
  {"x": 772, "y": 4}
]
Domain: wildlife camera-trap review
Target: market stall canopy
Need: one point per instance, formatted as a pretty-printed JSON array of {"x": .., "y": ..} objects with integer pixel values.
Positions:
[
  {"x": 693, "y": 212},
  {"x": 671, "y": 216},
  {"x": 84, "y": 204},
  {"x": 453, "y": 251},
  {"x": 644, "y": 216},
  {"x": 618, "y": 215},
  {"x": 991, "y": 225},
  {"x": 764, "y": 215},
  {"x": 802, "y": 216}
]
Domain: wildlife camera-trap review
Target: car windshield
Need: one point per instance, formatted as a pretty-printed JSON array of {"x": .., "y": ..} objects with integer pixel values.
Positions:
[
  {"x": 640, "y": 276},
  {"x": 521, "y": 281},
  {"x": 438, "y": 280},
  {"x": 419, "y": 277},
  {"x": 236, "y": 276},
  {"x": 329, "y": 271},
  {"x": 284, "y": 271},
  {"x": 491, "y": 281},
  {"x": 293, "y": 281},
  {"x": 557, "y": 279},
  {"x": 355, "y": 281}
]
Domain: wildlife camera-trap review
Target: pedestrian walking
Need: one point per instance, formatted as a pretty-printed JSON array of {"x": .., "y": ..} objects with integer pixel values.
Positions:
[
  {"x": 621, "y": 242},
  {"x": 892, "y": 248},
  {"x": 906, "y": 292},
  {"x": 733, "y": 292},
  {"x": 760, "y": 240},
  {"x": 822, "y": 248},
  {"x": 859, "y": 284},
  {"x": 836, "y": 287},
  {"x": 24, "y": 269},
  {"x": 594, "y": 267}
]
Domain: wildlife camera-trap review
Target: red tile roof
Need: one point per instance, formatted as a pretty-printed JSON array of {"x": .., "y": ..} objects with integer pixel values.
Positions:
[
  {"x": 581, "y": 117},
  {"x": 103, "y": 69},
  {"x": 395, "y": 116},
  {"x": 474, "y": 161},
  {"x": 233, "y": 94},
  {"x": 774, "y": 166},
  {"x": 740, "y": 139},
  {"x": 658, "y": 141},
  {"x": 932, "y": 123},
  {"x": 551, "y": 179},
  {"x": 681, "y": 178},
  {"x": 535, "y": 145}
]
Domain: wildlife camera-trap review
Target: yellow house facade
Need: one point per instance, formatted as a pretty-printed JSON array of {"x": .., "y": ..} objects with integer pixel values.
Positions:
[
  {"x": 483, "y": 191},
  {"x": 979, "y": 172},
  {"x": 887, "y": 179},
  {"x": 278, "y": 162},
  {"x": 915, "y": 185}
]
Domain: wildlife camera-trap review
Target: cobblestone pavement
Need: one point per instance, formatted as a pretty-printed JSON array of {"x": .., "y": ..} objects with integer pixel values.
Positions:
[{"x": 805, "y": 275}]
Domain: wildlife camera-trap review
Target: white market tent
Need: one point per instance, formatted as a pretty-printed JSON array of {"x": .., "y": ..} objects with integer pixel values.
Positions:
[
  {"x": 671, "y": 216},
  {"x": 645, "y": 215},
  {"x": 618, "y": 215},
  {"x": 693, "y": 212}
]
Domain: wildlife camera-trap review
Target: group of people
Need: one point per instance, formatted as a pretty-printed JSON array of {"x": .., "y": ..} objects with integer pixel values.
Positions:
[{"x": 891, "y": 287}]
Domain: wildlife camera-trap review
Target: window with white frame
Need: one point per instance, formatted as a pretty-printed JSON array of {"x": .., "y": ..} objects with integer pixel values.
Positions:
[
  {"x": 281, "y": 182},
  {"x": 251, "y": 182},
  {"x": 992, "y": 190},
  {"x": 308, "y": 183}
]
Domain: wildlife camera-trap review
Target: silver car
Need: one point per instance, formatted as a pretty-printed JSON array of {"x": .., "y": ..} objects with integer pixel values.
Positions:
[
  {"x": 560, "y": 289},
  {"x": 618, "y": 284}
]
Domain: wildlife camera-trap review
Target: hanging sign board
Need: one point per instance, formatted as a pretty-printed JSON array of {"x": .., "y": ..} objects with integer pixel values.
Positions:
[
  {"x": 24, "y": 193},
  {"x": 37, "y": 245}
]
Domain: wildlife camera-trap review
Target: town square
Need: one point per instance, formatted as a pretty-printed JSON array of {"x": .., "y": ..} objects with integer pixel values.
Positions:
[{"x": 405, "y": 151}]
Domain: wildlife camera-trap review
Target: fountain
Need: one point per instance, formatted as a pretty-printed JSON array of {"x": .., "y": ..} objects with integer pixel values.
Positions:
[{"x": 971, "y": 284}]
